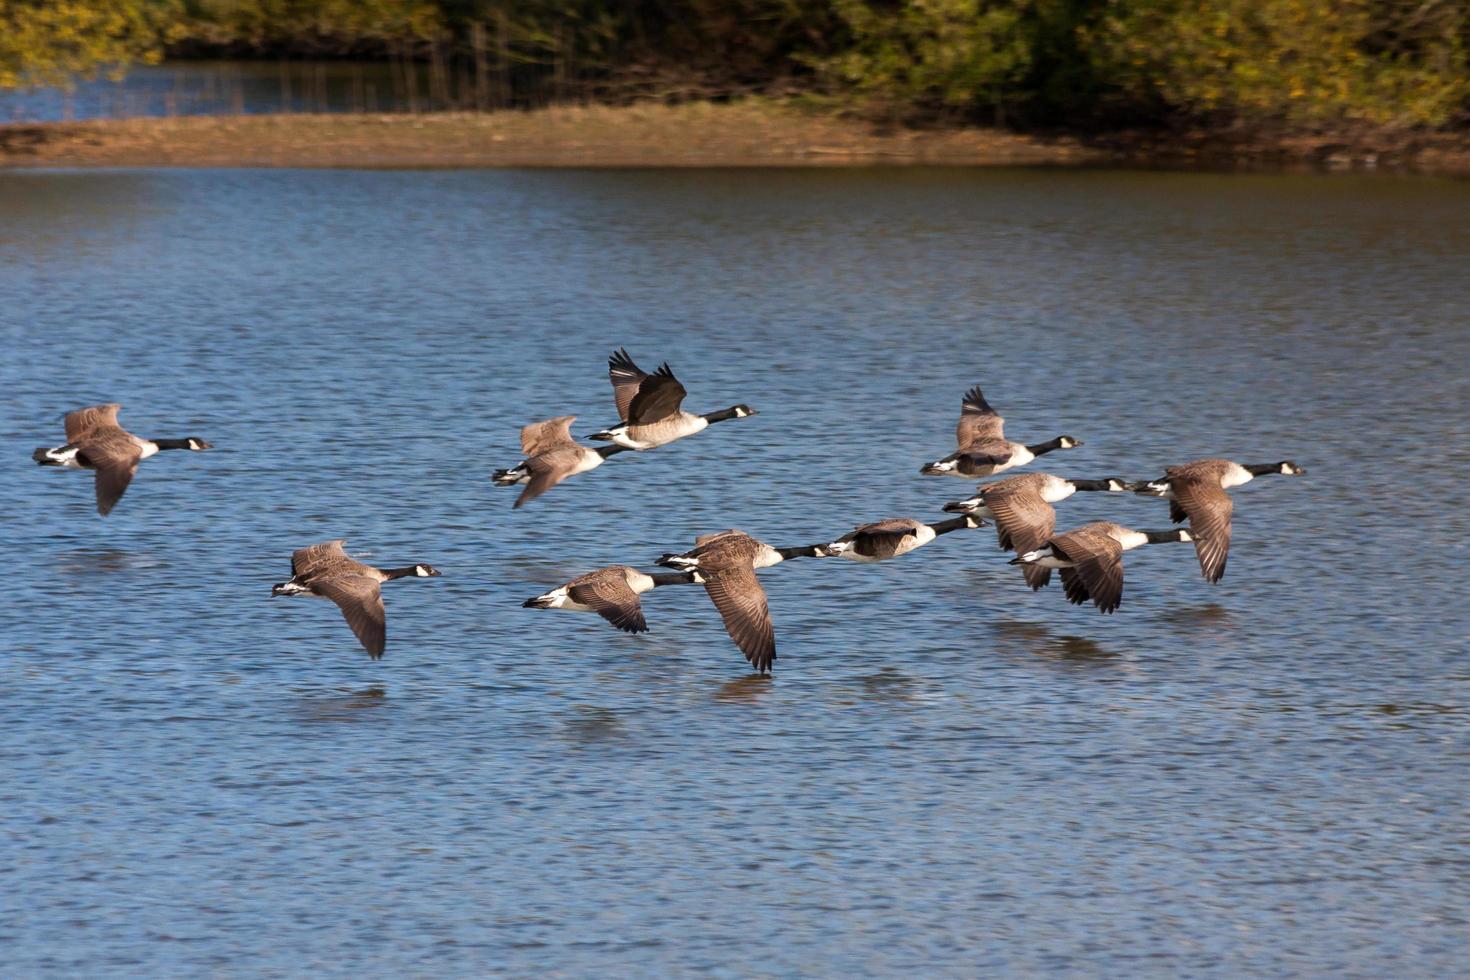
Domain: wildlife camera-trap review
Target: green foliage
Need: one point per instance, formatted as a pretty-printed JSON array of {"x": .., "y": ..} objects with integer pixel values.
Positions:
[
  {"x": 933, "y": 53},
  {"x": 51, "y": 42},
  {"x": 1300, "y": 62},
  {"x": 330, "y": 26}
]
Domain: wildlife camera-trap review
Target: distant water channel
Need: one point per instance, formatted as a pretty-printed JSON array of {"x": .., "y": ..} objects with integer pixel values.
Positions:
[
  {"x": 223, "y": 88},
  {"x": 947, "y": 776}
]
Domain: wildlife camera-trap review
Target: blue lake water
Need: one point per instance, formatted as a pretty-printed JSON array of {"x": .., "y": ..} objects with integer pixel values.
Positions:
[{"x": 947, "y": 776}]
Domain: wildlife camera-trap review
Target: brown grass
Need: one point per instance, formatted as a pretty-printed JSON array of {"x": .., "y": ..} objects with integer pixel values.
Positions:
[{"x": 749, "y": 134}]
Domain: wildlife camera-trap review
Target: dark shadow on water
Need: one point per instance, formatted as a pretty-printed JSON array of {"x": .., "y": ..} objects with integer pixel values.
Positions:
[
  {"x": 347, "y": 706},
  {"x": 592, "y": 723},
  {"x": 1207, "y": 614},
  {"x": 100, "y": 561},
  {"x": 887, "y": 685},
  {"x": 1037, "y": 640},
  {"x": 744, "y": 690}
]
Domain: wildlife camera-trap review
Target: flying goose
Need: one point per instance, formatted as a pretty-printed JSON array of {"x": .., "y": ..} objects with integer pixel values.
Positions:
[
  {"x": 1021, "y": 508},
  {"x": 725, "y": 563},
  {"x": 891, "y": 538},
  {"x": 94, "y": 441},
  {"x": 1091, "y": 559},
  {"x": 983, "y": 448},
  {"x": 326, "y": 571},
  {"x": 552, "y": 455},
  {"x": 1197, "y": 491},
  {"x": 649, "y": 407},
  {"x": 610, "y": 592}
]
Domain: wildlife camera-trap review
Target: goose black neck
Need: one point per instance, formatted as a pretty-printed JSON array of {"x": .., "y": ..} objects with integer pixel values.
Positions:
[
  {"x": 1042, "y": 448},
  {"x": 606, "y": 451},
  {"x": 953, "y": 524},
  {"x": 723, "y": 415},
  {"x": 406, "y": 572},
  {"x": 1261, "y": 469},
  {"x": 1091, "y": 484},
  {"x": 804, "y": 551},
  {"x": 673, "y": 578},
  {"x": 171, "y": 443},
  {"x": 1159, "y": 537}
]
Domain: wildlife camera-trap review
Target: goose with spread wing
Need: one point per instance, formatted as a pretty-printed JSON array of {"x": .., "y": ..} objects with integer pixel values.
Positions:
[
  {"x": 552, "y": 455},
  {"x": 1196, "y": 491},
  {"x": 326, "y": 571},
  {"x": 983, "y": 448},
  {"x": 650, "y": 407},
  {"x": 95, "y": 441}
]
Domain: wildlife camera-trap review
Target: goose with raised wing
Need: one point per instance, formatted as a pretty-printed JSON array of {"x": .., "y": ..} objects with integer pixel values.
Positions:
[
  {"x": 1021, "y": 507},
  {"x": 1090, "y": 559},
  {"x": 612, "y": 592},
  {"x": 552, "y": 455},
  {"x": 95, "y": 441},
  {"x": 1196, "y": 491},
  {"x": 725, "y": 563},
  {"x": 983, "y": 448},
  {"x": 896, "y": 536},
  {"x": 650, "y": 407},
  {"x": 326, "y": 571}
]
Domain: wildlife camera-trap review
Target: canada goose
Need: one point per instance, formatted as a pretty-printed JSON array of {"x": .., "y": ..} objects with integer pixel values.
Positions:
[
  {"x": 983, "y": 448},
  {"x": 94, "y": 441},
  {"x": 1021, "y": 508},
  {"x": 725, "y": 563},
  {"x": 552, "y": 455},
  {"x": 326, "y": 571},
  {"x": 649, "y": 407},
  {"x": 610, "y": 592},
  {"x": 1197, "y": 491},
  {"x": 891, "y": 538},
  {"x": 1091, "y": 559}
]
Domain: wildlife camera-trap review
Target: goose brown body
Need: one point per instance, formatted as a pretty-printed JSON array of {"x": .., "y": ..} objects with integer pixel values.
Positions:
[
  {"x": 1196, "y": 492},
  {"x": 725, "y": 563},
  {"x": 327, "y": 571},
  {"x": 95, "y": 441},
  {"x": 983, "y": 448}
]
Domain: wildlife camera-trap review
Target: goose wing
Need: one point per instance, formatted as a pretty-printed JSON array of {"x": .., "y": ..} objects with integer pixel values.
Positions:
[
  {"x": 1098, "y": 565},
  {"x": 115, "y": 457},
  {"x": 659, "y": 395},
  {"x": 547, "y": 470},
  {"x": 1209, "y": 509},
  {"x": 978, "y": 420},
  {"x": 304, "y": 561},
  {"x": 361, "y": 600},
  {"x": 84, "y": 421},
  {"x": 1023, "y": 522},
  {"x": 543, "y": 437},
  {"x": 1077, "y": 593},
  {"x": 625, "y": 377},
  {"x": 607, "y": 593},
  {"x": 738, "y": 595}
]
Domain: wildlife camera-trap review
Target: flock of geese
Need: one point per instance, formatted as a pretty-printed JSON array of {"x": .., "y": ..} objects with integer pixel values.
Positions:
[{"x": 1089, "y": 559}]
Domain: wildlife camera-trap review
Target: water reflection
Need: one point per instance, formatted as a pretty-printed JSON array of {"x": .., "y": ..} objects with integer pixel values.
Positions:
[
  {"x": 346, "y": 706},
  {"x": 592, "y": 723},
  {"x": 744, "y": 690},
  {"x": 887, "y": 685},
  {"x": 1204, "y": 615},
  {"x": 1039, "y": 640}
]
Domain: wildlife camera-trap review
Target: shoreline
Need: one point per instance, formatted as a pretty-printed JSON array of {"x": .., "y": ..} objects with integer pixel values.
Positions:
[{"x": 746, "y": 134}]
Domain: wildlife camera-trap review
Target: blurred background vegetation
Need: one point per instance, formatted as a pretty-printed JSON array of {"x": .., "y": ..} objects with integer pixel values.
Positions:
[{"x": 1074, "y": 63}]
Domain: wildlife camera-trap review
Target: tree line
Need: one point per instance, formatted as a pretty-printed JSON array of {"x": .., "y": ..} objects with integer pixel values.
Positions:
[{"x": 1091, "y": 63}]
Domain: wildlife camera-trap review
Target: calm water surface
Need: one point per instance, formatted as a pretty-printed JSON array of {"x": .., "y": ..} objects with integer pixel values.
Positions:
[{"x": 948, "y": 775}]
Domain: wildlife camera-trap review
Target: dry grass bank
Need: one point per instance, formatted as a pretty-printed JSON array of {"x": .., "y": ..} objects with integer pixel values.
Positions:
[{"x": 749, "y": 134}]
